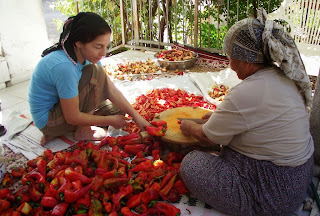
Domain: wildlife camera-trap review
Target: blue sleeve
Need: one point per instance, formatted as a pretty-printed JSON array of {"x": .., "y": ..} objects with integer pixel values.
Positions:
[{"x": 66, "y": 78}]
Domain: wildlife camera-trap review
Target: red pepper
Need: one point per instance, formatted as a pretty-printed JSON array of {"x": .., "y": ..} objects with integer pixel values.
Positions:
[
  {"x": 76, "y": 184},
  {"x": 111, "y": 174},
  {"x": 95, "y": 208},
  {"x": 156, "y": 174},
  {"x": 134, "y": 148},
  {"x": 142, "y": 166},
  {"x": 7, "y": 180},
  {"x": 156, "y": 186},
  {"x": 71, "y": 195},
  {"x": 181, "y": 187},
  {"x": 51, "y": 192},
  {"x": 60, "y": 209},
  {"x": 18, "y": 172},
  {"x": 169, "y": 186},
  {"x": 167, "y": 209},
  {"x": 24, "y": 208},
  {"x": 97, "y": 182},
  {"x": 141, "y": 154},
  {"x": 156, "y": 154},
  {"x": 22, "y": 195},
  {"x": 84, "y": 202},
  {"x": 114, "y": 182},
  {"x": 159, "y": 123},
  {"x": 65, "y": 185},
  {"x": 173, "y": 157},
  {"x": 114, "y": 213},
  {"x": 96, "y": 156},
  {"x": 8, "y": 212},
  {"x": 33, "y": 163},
  {"x": 42, "y": 167},
  {"x": 129, "y": 136},
  {"x": 78, "y": 169},
  {"x": 81, "y": 158},
  {"x": 103, "y": 161},
  {"x": 6, "y": 194},
  {"x": 167, "y": 178},
  {"x": 49, "y": 202},
  {"x": 33, "y": 175},
  {"x": 48, "y": 154},
  {"x": 125, "y": 211},
  {"x": 88, "y": 172},
  {"x": 107, "y": 207},
  {"x": 4, "y": 205},
  {"x": 143, "y": 208},
  {"x": 149, "y": 195},
  {"x": 53, "y": 172},
  {"x": 156, "y": 131},
  {"x": 134, "y": 200},
  {"x": 122, "y": 193},
  {"x": 35, "y": 195},
  {"x": 173, "y": 196},
  {"x": 138, "y": 160},
  {"x": 74, "y": 176}
]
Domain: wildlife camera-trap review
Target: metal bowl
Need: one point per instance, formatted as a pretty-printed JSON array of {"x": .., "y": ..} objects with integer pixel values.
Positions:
[{"x": 180, "y": 65}]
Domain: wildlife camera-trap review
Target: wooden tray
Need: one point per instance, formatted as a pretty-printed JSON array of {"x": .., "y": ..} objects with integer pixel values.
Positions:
[{"x": 174, "y": 134}]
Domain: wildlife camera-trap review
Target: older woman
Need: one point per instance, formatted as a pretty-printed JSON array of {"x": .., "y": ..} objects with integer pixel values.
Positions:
[{"x": 266, "y": 164}]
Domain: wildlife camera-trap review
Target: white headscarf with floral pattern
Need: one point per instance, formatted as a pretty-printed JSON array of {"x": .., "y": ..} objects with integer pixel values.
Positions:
[{"x": 262, "y": 41}]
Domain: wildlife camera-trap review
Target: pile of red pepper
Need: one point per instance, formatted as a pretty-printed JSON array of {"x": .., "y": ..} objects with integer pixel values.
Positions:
[
  {"x": 95, "y": 180},
  {"x": 159, "y": 100}
]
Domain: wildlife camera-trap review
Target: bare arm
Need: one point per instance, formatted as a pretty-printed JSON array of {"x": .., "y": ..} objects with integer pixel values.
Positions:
[
  {"x": 116, "y": 97},
  {"x": 73, "y": 116}
]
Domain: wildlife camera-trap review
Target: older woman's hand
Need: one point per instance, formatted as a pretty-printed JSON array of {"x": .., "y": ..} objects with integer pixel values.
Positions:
[
  {"x": 206, "y": 116},
  {"x": 186, "y": 127}
]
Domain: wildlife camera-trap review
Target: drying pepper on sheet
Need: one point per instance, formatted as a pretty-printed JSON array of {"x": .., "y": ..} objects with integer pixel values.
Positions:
[
  {"x": 95, "y": 208},
  {"x": 97, "y": 182},
  {"x": 167, "y": 209},
  {"x": 134, "y": 148},
  {"x": 84, "y": 202},
  {"x": 143, "y": 166},
  {"x": 18, "y": 172},
  {"x": 74, "y": 176},
  {"x": 149, "y": 195},
  {"x": 156, "y": 131},
  {"x": 35, "y": 195},
  {"x": 115, "y": 182},
  {"x": 125, "y": 211},
  {"x": 4, "y": 205},
  {"x": 60, "y": 209},
  {"x": 65, "y": 185},
  {"x": 165, "y": 191},
  {"x": 6, "y": 194},
  {"x": 49, "y": 202},
  {"x": 181, "y": 187},
  {"x": 124, "y": 191},
  {"x": 134, "y": 200},
  {"x": 72, "y": 195},
  {"x": 7, "y": 180},
  {"x": 24, "y": 208}
]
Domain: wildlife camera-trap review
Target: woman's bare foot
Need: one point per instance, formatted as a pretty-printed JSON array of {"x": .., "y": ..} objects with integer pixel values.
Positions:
[
  {"x": 45, "y": 139},
  {"x": 89, "y": 133}
]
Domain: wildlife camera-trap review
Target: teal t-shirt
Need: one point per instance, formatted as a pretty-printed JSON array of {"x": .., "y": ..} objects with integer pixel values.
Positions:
[{"x": 54, "y": 77}]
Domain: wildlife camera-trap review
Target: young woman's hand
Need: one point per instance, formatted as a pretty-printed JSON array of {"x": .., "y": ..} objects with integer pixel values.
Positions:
[{"x": 118, "y": 121}]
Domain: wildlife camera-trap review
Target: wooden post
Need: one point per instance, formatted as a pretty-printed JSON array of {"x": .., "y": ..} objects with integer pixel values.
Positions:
[
  {"x": 123, "y": 26},
  {"x": 195, "y": 24},
  {"x": 135, "y": 20}
]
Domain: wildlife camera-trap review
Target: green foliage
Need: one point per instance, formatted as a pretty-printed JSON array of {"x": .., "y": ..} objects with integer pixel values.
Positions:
[{"x": 213, "y": 13}]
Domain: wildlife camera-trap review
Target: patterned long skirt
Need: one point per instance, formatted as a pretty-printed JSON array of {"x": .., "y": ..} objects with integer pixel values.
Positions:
[{"x": 238, "y": 185}]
